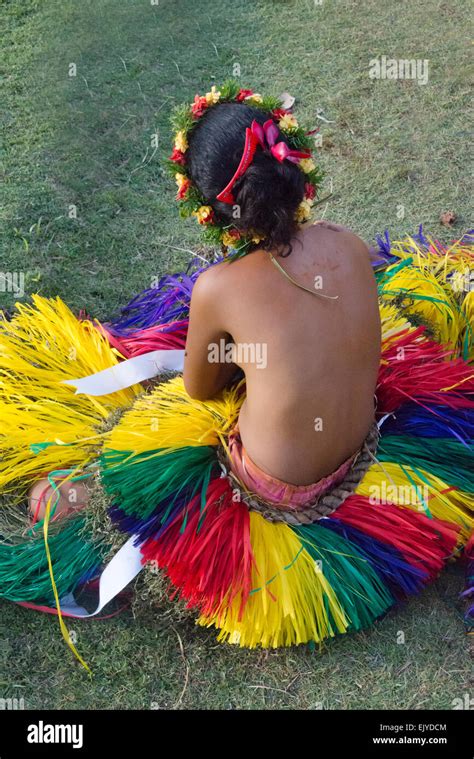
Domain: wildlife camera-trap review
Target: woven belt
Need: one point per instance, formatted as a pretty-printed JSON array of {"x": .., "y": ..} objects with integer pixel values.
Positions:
[{"x": 323, "y": 505}]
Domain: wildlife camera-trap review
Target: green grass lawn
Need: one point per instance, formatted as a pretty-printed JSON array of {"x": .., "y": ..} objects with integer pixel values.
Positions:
[{"x": 395, "y": 155}]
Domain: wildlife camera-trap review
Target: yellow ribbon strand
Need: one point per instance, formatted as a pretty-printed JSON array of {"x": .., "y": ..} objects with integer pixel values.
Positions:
[{"x": 62, "y": 624}]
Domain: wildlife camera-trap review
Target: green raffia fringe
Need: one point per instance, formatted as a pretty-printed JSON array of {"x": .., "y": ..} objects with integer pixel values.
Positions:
[
  {"x": 24, "y": 572},
  {"x": 361, "y": 593},
  {"x": 448, "y": 459},
  {"x": 141, "y": 482}
]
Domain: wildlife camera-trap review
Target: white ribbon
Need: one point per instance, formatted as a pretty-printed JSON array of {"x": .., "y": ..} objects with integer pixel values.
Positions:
[
  {"x": 127, "y": 562},
  {"x": 384, "y": 419},
  {"x": 118, "y": 573},
  {"x": 129, "y": 372}
]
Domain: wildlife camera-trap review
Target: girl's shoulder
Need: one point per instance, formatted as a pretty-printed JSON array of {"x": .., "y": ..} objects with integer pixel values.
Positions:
[{"x": 337, "y": 234}]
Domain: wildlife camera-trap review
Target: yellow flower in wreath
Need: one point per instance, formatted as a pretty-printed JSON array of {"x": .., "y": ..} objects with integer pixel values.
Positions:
[
  {"x": 230, "y": 237},
  {"x": 183, "y": 185},
  {"x": 287, "y": 122},
  {"x": 254, "y": 98},
  {"x": 303, "y": 212},
  {"x": 204, "y": 214},
  {"x": 307, "y": 165},
  {"x": 213, "y": 96},
  {"x": 180, "y": 141}
]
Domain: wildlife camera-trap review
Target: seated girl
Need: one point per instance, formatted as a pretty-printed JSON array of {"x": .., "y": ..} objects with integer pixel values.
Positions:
[
  {"x": 300, "y": 311},
  {"x": 323, "y": 518}
]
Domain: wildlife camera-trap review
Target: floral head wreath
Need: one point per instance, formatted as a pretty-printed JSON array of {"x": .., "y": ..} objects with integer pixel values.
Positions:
[{"x": 298, "y": 151}]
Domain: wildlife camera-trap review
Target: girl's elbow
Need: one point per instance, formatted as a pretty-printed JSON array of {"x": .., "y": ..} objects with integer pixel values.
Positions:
[{"x": 194, "y": 391}]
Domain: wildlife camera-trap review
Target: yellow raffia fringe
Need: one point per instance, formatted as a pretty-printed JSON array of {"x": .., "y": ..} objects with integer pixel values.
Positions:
[
  {"x": 169, "y": 418},
  {"x": 291, "y": 596},
  {"x": 441, "y": 312},
  {"x": 43, "y": 345},
  {"x": 393, "y": 324},
  {"x": 441, "y": 276},
  {"x": 389, "y": 481},
  {"x": 441, "y": 260}
]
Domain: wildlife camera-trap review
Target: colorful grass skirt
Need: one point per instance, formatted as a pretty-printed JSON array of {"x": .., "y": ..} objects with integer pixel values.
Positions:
[{"x": 257, "y": 581}]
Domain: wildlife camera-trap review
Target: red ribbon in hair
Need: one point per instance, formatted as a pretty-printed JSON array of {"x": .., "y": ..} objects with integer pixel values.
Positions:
[{"x": 266, "y": 136}]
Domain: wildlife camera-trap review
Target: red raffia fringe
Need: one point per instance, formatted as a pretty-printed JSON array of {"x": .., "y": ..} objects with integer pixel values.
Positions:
[
  {"x": 423, "y": 371},
  {"x": 211, "y": 565},
  {"x": 150, "y": 339}
]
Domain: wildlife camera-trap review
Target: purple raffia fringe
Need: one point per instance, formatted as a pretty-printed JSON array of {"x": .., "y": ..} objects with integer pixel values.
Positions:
[
  {"x": 469, "y": 592},
  {"x": 167, "y": 302}
]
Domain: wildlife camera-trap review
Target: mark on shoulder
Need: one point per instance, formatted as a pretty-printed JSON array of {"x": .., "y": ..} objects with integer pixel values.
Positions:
[{"x": 342, "y": 234}]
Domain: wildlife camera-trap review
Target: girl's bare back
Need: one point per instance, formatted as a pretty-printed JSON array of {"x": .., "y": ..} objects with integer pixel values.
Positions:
[{"x": 310, "y": 362}]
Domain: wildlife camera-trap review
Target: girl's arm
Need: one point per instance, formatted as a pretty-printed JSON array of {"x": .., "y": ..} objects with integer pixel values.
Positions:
[{"x": 206, "y": 368}]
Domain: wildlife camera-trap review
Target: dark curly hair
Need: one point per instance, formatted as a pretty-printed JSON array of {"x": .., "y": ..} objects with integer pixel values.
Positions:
[{"x": 269, "y": 192}]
